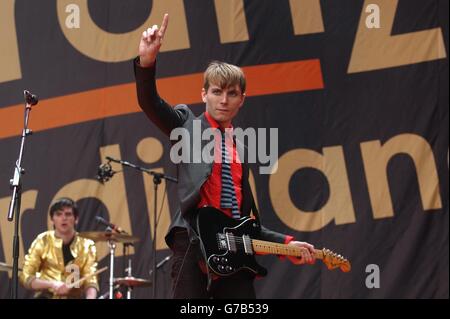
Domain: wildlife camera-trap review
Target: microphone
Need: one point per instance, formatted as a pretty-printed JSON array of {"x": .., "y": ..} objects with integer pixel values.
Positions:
[
  {"x": 111, "y": 225},
  {"x": 104, "y": 173},
  {"x": 31, "y": 99}
]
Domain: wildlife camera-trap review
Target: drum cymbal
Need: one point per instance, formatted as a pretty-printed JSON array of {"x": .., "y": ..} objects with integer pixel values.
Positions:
[
  {"x": 107, "y": 236},
  {"x": 132, "y": 282},
  {"x": 6, "y": 267}
]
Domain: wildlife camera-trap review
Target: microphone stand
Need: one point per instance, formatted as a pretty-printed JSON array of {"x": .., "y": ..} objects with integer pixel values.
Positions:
[
  {"x": 157, "y": 177},
  {"x": 16, "y": 186}
]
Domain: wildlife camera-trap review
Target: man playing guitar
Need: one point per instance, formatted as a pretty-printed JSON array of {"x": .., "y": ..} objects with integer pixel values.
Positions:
[{"x": 222, "y": 185}]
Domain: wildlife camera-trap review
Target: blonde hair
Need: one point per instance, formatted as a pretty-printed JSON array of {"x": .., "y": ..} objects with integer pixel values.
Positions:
[{"x": 224, "y": 75}]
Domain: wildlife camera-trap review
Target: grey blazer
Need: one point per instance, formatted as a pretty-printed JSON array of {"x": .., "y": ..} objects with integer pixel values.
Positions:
[{"x": 192, "y": 175}]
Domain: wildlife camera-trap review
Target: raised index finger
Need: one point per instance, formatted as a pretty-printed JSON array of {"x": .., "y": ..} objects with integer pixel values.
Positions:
[{"x": 164, "y": 24}]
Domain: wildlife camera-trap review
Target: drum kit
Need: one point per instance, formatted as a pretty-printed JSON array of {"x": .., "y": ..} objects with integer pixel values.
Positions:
[{"x": 112, "y": 238}]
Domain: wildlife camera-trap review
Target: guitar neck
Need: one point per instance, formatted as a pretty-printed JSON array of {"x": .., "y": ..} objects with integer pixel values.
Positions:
[{"x": 267, "y": 247}]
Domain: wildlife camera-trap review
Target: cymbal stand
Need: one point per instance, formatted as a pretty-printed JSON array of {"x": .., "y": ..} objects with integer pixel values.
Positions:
[
  {"x": 112, "y": 247},
  {"x": 127, "y": 271}
]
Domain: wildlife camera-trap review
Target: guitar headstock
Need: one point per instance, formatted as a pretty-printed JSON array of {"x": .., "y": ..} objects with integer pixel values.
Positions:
[{"x": 333, "y": 261}]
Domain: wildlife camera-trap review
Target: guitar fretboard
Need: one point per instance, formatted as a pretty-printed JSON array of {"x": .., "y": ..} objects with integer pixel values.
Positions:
[
  {"x": 266, "y": 247},
  {"x": 251, "y": 246}
]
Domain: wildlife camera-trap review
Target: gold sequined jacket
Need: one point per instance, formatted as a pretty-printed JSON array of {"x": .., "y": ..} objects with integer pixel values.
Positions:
[{"x": 45, "y": 261}]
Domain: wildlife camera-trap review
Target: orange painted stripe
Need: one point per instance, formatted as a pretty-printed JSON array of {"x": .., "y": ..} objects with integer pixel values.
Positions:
[{"x": 121, "y": 99}]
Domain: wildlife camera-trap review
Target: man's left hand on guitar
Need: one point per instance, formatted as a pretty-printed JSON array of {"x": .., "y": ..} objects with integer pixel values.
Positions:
[{"x": 308, "y": 255}]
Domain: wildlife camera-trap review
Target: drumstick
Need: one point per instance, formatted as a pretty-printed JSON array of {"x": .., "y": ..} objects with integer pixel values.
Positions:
[
  {"x": 79, "y": 281},
  {"x": 6, "y": 267}
]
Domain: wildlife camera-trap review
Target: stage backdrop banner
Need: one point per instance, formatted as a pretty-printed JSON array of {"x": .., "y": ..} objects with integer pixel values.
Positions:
[{"x": 358, "y": 91}]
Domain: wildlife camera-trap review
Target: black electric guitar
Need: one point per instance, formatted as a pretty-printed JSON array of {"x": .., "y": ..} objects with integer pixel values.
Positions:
[{"x": 229, "y": 246}]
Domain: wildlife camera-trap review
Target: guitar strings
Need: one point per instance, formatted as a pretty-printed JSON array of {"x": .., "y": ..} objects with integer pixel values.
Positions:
[{"x": 240, "y": 240}]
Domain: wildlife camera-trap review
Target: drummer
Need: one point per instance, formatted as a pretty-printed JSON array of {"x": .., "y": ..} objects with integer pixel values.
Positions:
[{"x": 60, "y": 257}]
